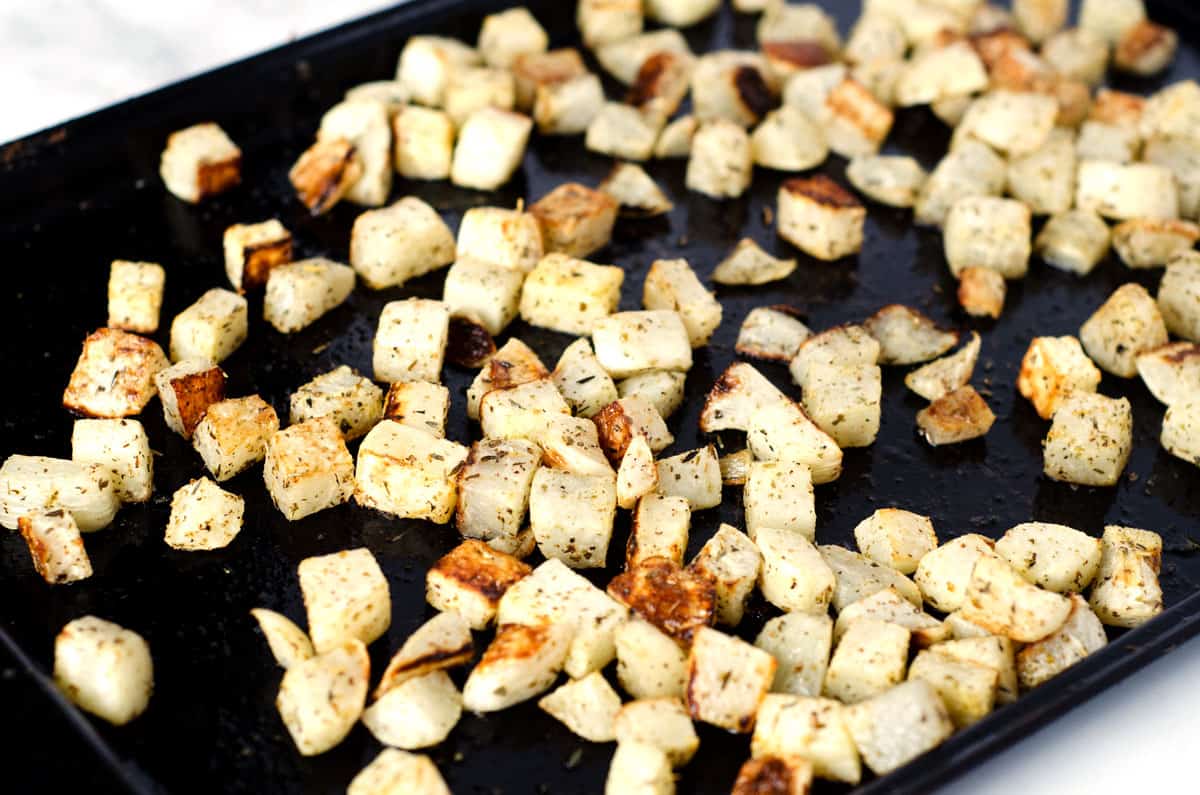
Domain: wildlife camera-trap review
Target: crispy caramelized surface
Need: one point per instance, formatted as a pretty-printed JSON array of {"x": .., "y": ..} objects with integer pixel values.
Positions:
[{"x": 675, "y": 600}]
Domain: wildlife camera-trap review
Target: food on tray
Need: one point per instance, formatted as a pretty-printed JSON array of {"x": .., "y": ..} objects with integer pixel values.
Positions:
[{"x": 903, "y": 663}]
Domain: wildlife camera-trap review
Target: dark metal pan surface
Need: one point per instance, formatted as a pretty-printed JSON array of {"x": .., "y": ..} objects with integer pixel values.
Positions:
[{"x": 74, "y": 198}]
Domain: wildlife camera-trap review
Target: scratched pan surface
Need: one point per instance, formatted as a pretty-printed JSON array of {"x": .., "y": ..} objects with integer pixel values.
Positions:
[{"x": 75, "y": 198}]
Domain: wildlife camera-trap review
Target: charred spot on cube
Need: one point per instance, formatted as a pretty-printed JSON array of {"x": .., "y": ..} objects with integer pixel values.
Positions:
[
  {"x": 753, "y": 91},
  {"x": 822, "y": 190},
  {"x": 468, "y": 344}
]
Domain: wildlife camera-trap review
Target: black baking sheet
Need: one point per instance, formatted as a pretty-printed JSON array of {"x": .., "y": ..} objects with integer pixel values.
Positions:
[{"x": 75, "y": 197}]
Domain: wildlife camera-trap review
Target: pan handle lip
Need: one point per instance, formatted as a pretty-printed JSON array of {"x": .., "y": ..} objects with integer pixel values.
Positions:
[
  {"x": 1033, "y": 710},
  {"x": 125, "y": 772}
]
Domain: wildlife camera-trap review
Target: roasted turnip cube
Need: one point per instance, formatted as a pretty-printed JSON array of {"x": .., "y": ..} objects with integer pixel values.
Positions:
[
  {"x": 870, "y": 659},
  {"x": 896, "y": 538},
  {"x": 988, "y": 232},
  {"x": 1181, "y": 431},
  {"x": 233, "y": 435},
  {"x": 491, "y": 145},
  {"x": 308, "y": 468},
  {"x": 629, "y": 343},
  {"x": 1127, "y": 592},
  {"x": 575, "y": 220},
  {"x": 639, "y": 768},
  {"x": 887, "y": 179},
  {"x": 210, "y": 329},
  {"x": 1123, "y": 191},
  {"x": 300, "y": 293},
  {"x": 493, "y": 491},
  {"x": 1001, "y": 601},
  {"x": 1053, "y": 368},
  {"x": 442, "y": 642},
  {"x": 200, "y": 161},
  {"x": 732, "y": 561},
  {"x": 967, "y": 689},
  {"x": 519, "y": 663},
  {"x": 346, "y": 597},
  {"x": 1052, "y": 556},
  {"x": 135, "y": 291},
  {"x": 121, "y": 447},
  {"x": 470, "y": 579},
  {"x": 391, "y": 245},
  {"x": 566, "y": 106},
  {"x": 321, "y": 698},
  {"x": 1145, "y": 49},
  {"x": 899, "y": 725},
  {"x": 948, "y": 373},
  {"x": 820, "y": 217},
  {"x": 252, "y": 250},
  {"x": 507, "y": 238},
  {"x": 288, "y": 643},
  {"x": 663, "y": 723},
  {"x": 55, "y": 546},
  {"x": 419, "y": 404},
  {"x": 1074, "y": 241},
  {"x": 845, "y": 402},
  {"x": 1153, "y": 242},
  {"x": 572, "y": 516},
  {"x": 943, "y": 573},
  {"x": 426, "y": 64},
  {"x": 694, "y": 475},
  {"x": 939, "y": 72},
  {"x": 1080, "y": 636},
  {"x": 587, "y": 706},
  {"x": 650, "y": 664},
  {"x": 1127, "y": 324},
  {"x": 604, "y": 21},
  {"x": 507, "y": 34},
  {"x": 204, "y": 517},
  {"x": 622, "y": 131},
  {"x": 475, "y": 88},
  {"x": 114, "y": 375},
  {"x": 394, "y": 771},
  {"x": 721, "y": 162},
  {"x": 800, "y": 643},
  {"x": 958, "y": 416},
  {"x": 731, "y": 85},
  {"x": 367, "y": 126},
  {"x": 349, "y": 400},
  {"x": 906, "y": 336},
  {"x": 406, "y": 472},
  {"x": 417, "y": 713},
  {"x": 779, "y": 494},
  {"x": 971, "y": 169},
  {"x": 483, "y": 293},
  {"x": 794, "y": 575},
  {"x": 424, "y": 143},
  {"x": 663, "y": 389},
  {"x": 888, "y": 605},
  {"x": 673, "y": 285},
  {"x": 659, "y": 529},
  {"x": 1179, "y": 297},
  {"x": 570, "y": 295},
  {"x": 812, "y": 728},
  {"x": 325, "y": 173},
  {"x": 410, "y": 343},
  {"x": 187, "y": 390},
  {"x": 727, "y": 680},
  {"x": 104, "y": 669}
]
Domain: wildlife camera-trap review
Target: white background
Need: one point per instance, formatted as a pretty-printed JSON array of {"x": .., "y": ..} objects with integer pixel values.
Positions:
[{"x": 60, "y": 59}]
